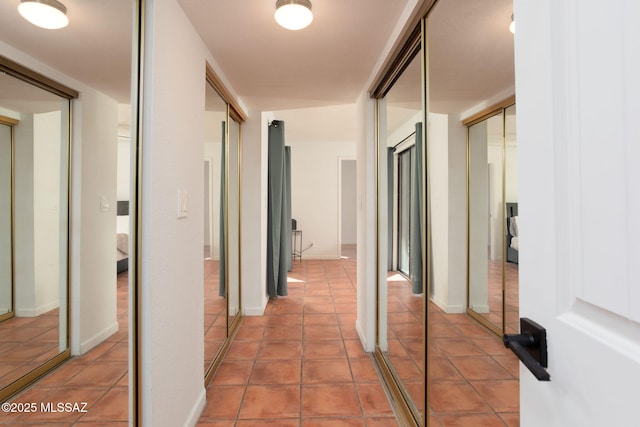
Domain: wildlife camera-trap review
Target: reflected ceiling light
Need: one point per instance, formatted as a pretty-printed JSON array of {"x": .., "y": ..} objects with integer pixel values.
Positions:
[
  {"x": 49, "y": 14},
  {"x": 512, "y": 26},
  {"x": 293, "y": 14}
]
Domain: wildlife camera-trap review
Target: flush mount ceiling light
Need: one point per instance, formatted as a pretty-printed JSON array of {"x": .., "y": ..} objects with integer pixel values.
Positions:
[
  {"x": 49, "y": 14},
  {"x": 293, "y": 14},
  {"x": 512, "y": 26}
]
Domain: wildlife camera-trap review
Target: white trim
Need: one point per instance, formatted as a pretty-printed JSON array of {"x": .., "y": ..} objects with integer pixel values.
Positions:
[
  {"x": 368, "y": 347},
  {"x": 97, "y": 339},
  {"x": 37, "y": 311},
  {"x": 449, "y": 309},
  {"x": 342, "y": 159},
  {"x": 196, "y": 411},
  {"x": 255, "y": 311}
]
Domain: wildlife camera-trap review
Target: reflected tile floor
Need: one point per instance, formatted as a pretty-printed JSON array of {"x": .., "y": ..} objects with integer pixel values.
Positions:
[
  {"x": 26, "y": 343},
  {"x": 474, "y": 378},
  {"x": 98, "y": 378},
  {"x": 302, "y": 363}
]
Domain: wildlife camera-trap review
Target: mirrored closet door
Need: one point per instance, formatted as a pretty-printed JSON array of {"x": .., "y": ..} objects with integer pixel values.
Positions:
[
  {"x": 233, "y": 217},
  {"x": 34, "y": 227},
  {"x": 493, "y": 220},
  {"x": 214, "y": 248},
  {"x": 400, "y": 352},
  {"x": 222, "y": 168}
]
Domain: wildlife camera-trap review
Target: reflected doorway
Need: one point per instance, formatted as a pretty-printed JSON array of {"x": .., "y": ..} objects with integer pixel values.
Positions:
[{"x": 348, "y": 209}]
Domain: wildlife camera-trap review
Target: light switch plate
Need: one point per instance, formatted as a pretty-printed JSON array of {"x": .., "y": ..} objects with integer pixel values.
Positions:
[
  {"x": 183, "y": 204},
  {"x": 104, "y": 204}
]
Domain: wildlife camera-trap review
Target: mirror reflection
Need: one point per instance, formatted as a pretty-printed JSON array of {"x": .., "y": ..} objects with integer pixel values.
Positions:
[
  {"x": 486, "y": 204},
  {"x": 6, "y": 249},
  {"x": 511, "y": 286},
  {"x": 493, "y": 221},
  {"x": 233, "y": 215},
  {"x": 401, "y": 339},
  {"x": 33, "y": 227},
  {"x": 215, "y": 313}
]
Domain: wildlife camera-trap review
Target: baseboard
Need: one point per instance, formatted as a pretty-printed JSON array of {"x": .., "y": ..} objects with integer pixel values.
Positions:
[
  {"x": 455, "y": 309},
  {"x": 318, "y": 257},
  {"x": 450, "y": 309},
  {"x": 98, "y": 338},
  {"x": 368, "y": 347},
  {"x": 37, "y": 311},
  {"x": 196, "y": 411},
  {"x": 480, "y": 308},
  {"x": 255, "y": 311}
]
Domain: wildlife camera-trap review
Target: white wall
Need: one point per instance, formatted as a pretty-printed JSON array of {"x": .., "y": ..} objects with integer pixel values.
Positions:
[
  {"x": 438, "y": 141},
  {"x": 448, "y": 169},
  {"x": 49, "y": 202},
  {"x": 172, "y": 355},
  {"x": 367, "y": 225},
  {"x": 24, "y": 273},
  {"x": 457, "y": 281},
  {"x": 254, "y": 213},
  {"x": 348, "y": 202},
  {"x": 478, "y": 217},
  {"x": 315, "y": 194},
  {"x": 94, "y": 160}
]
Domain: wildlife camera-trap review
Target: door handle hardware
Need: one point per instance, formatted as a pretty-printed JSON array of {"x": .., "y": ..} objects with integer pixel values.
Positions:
[{"x": 530, "y": 345}]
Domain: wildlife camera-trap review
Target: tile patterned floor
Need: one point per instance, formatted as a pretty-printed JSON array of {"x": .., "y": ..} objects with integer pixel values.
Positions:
[
  {"x": 474, "y": 378},
  {"x": 302, "y": 363}
]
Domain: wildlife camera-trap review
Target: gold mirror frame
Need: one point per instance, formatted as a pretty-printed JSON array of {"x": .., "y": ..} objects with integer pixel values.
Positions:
[
  {"x": 33, "y": 78},
  {"x": 236, "y": 114},
  {"x": 409, "y": 45},
  {"x": 495, "y": 110}
]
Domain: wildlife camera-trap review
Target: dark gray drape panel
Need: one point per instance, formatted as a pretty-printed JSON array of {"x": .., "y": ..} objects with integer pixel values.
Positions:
[
  {"x": 286, "y": 218},
  {"x": 279, "y": 213},
  {"x": 222, "y": 264},
  {"x": 390, "y": 185},
  {"x": 417, "y": 215}
]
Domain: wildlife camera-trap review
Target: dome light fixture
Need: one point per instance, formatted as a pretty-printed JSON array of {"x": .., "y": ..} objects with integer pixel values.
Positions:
[
  {"x": 293, "y": 14},
  {"x": 49, "y": 14}
]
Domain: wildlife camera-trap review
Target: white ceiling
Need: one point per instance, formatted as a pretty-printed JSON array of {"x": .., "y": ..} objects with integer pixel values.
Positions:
[{"x": 329, "y": 63}]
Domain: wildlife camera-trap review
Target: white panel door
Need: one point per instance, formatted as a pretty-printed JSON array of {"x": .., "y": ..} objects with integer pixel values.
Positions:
[{"x": 578, "y": 97}]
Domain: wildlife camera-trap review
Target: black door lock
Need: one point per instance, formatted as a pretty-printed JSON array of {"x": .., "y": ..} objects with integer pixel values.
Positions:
[{"x": 530, "y": 345}]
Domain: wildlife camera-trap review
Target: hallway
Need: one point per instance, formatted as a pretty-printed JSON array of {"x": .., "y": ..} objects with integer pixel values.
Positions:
[{"x": 302, "y": 363}]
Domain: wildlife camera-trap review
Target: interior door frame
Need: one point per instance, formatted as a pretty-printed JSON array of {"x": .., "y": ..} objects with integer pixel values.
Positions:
[{"x": 341, "y": 161}]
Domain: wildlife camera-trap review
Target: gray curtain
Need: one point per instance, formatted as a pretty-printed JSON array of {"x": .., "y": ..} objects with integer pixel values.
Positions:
[
  {"x": 287, "y": 208},
  {"x": 279, "y": 212},
  {"x": 390, "y": 185},
  {"x": 417, "y": 215},
  {"x": 223, "y": 240}
]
